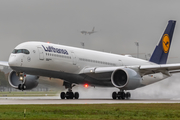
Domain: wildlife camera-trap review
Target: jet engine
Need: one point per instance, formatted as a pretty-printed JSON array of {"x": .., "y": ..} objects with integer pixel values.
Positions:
[
  {"x": 29, "y": 82},
  {"x": 126, "y": 79}
]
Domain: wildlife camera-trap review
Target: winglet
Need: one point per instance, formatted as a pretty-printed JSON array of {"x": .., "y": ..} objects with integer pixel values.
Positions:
[{"x": 161, "y": 51}]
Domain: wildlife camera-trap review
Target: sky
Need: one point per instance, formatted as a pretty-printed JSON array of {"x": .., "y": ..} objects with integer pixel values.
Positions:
[{"x": 119, "y": 24}]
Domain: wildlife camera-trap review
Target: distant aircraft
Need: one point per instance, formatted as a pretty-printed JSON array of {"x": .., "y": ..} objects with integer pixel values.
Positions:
[
  {"x": 86, "y": 32},
  {"x": 30, "y": 60}
]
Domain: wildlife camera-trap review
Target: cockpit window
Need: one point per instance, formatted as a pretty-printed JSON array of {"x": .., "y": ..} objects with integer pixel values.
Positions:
[{"x": 15, "y": 51}]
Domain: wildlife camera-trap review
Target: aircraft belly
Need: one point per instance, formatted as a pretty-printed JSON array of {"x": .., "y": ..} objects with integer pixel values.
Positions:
[
  {"x": 97, "y": 82},
  {"x": 69, "y": 77},
  {"x": 100, "y": 76}
]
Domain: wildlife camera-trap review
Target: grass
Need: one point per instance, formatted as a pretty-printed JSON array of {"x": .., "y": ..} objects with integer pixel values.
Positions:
[
  {"x": 27, "y": 93},
  {"x": 92, "y": 111}
]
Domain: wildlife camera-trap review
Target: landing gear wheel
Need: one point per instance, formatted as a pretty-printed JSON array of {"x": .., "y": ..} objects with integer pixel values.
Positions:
[
  {"x": 128, "y": 95},
  {"x": 122, "y": 95},
  {"x": 19, "y": 86},
  {"x": 69, "y": 95},
  {"x": 119, "y": 95},
  {"x": 23, "y": 87},
  {"x": 76, "y": 95},
  {"x": 62, "y": 95},
  {"x": 114, "y": 95}
]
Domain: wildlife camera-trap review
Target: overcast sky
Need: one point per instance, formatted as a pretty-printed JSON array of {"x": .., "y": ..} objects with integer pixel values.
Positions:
[{"x": 119, "y": 23}]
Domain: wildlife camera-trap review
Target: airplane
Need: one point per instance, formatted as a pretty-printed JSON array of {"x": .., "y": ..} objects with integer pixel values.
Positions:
[
  {"x": 76, "y": 66},
  {"x": 90, "y": 32}
]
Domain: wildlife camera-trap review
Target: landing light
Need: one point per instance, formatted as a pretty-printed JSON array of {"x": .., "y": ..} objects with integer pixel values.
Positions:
[{"x": 21, "y": 78}]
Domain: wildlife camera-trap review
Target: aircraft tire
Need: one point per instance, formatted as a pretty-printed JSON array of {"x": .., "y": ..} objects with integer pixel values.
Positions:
[
  {"x": 71, "y": 95},
  {"x": 67, "y": 95},
  {"x": 76, "y": 95},
  {"x": 62, "y": 95},
  {"x": 23, "y": 87},
  {"x": 119, "y": 95},
  {"x": 128, "y": 95},
  {"x": 114, "y": 95},
  {"x": 19, "y": 86},
  {"x": 123, "y": 95}
]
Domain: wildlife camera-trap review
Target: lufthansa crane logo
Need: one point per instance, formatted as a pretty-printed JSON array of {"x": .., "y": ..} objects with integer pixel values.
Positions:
[{"x": 166, "y": 43}]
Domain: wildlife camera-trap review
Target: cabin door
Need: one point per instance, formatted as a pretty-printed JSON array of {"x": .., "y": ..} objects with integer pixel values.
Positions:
[
  {"x": 74, "y": 59},
  {"x": 41, "y": 54}
]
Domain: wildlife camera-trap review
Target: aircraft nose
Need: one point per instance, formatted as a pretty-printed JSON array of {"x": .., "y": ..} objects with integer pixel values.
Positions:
[{"x": 12, "y": 60}]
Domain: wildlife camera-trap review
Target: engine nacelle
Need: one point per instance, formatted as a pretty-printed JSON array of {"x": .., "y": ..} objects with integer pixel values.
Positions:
[
  {"x": 30, "y": 81},
  {"x": 126, "y": 79}
]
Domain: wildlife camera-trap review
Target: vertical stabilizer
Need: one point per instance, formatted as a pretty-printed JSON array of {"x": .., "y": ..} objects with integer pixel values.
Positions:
[{"x": 161, "y": 51}]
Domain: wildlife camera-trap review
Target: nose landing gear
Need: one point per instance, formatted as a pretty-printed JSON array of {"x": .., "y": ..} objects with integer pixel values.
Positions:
[
  {"x": 21, "y": 78},
  {"x": 21, "y": 87}
]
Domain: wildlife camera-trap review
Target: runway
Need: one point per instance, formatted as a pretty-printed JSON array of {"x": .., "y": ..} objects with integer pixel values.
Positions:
[{"x": 56, "y": 100}]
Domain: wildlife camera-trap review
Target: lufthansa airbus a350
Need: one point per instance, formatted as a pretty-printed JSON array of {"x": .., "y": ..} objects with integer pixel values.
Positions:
[{"x": 30, "y": 60}]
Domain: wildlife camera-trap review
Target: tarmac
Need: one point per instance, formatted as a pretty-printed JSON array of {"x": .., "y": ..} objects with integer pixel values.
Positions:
[{"x": 57, "y": 100}]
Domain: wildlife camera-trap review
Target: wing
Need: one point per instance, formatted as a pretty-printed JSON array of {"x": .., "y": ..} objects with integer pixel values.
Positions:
[
  {"x": 105, "y": 72},
  {"x": 164, "y": 68},
  {"x": 4, "y": 67},
  {"x": 4, "y": 63}
]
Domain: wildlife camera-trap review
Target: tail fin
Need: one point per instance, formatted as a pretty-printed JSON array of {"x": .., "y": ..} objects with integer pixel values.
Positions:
[{"x": 161, "y": 51}]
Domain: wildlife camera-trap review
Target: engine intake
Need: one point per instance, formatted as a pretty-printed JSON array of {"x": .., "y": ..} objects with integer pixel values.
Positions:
[
  {"x": 30, "y": 81},
  {"x": 126, "y": 78}
]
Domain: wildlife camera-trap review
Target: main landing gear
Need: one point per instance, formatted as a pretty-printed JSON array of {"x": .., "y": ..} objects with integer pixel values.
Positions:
[
  {"x": 69, "y": 94},
  {"x": 121, "y": 95}
]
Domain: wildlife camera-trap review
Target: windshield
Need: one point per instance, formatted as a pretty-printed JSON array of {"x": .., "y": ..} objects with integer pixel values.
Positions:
[{"x": 15, "y": 51}]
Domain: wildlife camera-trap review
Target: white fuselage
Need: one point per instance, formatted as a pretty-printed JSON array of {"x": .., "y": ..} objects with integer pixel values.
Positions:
[{"x": 44, "y": 58}]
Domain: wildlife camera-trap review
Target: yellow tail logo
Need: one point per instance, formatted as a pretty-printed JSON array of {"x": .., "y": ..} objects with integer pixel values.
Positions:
[{"x": 165, "y": 43}]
